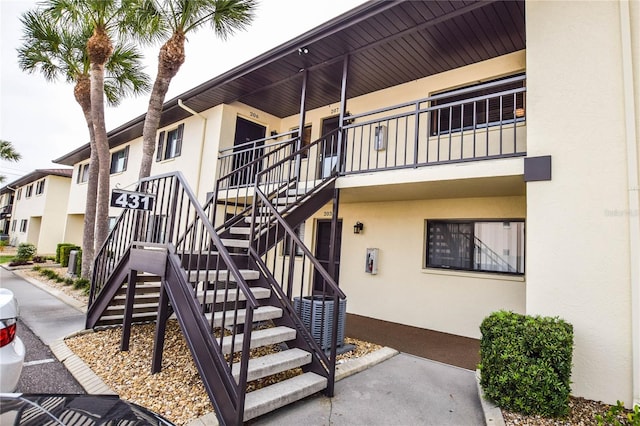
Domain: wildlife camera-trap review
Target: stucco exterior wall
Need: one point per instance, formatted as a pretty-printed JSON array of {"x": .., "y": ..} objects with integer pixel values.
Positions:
[
  {"x": 578, "y": 235},
  {"x": 45, "y": 214},
  {"x": 403, "y": 290}
]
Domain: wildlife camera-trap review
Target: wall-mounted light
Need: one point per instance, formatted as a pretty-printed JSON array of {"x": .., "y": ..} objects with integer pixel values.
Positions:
[
  {"x": 519, "y": 112},
  {"x": 303, "y": 50},
  {"x": 358, "y": 227}
]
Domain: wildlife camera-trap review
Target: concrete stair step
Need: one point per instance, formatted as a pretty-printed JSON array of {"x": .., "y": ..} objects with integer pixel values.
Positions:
[
  {"x": 120, "y": 299},
  {"x": 117, "y": 319},
  {"x": 273, "y": 364},
  {"x": 257, "y": 219},
  {"x": 219, "y": 296},
  {"x": 142, "y": 288},
  {"x": 233, "y": 242},
  {"x": 240, "y": 230},
  {"x": 284, "y": 200},
  {"x": 268, "y": 336},
  {"x": 263, "y": 313},
  {"x": 222, "y": 275},
  {"x": 278, "y": 395},
  {"x": 137, "y": 308}
]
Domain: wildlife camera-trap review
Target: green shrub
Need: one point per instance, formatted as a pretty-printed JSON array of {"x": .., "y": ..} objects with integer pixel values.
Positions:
[
  {"x": 82, "y": 283},
  {"x": 79, "y": 263},
  {"x": 617, "y": 415},
  {"x": 37, "y": 268},
  {"x": 68, "y": 281},
  {"x": 25, "y": 252},
  {"x": 59, "y": 247},
  {"x": 64, "y": 254},
  {"x": 526, "y": 363},
  {"x": 49, "y": 273}
]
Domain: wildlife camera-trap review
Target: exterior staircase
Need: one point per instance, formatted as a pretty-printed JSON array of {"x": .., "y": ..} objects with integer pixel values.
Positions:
[{"x": 220, "y": 271}]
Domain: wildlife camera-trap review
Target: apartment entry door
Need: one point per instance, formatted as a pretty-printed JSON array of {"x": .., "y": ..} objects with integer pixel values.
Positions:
[
  {"x": 247, "y": 131},
  {"x": 323, "y": 239},
  {"x": 329, "y": 159}
]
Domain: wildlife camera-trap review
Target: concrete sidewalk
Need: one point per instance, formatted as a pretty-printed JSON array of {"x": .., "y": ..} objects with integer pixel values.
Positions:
[{"x": 389, "y": 389}]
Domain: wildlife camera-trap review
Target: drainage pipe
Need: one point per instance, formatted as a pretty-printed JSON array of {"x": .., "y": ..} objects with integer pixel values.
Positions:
[{"x": 633, "y": 183}]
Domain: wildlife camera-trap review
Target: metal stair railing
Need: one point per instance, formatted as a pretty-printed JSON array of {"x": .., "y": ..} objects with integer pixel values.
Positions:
[
  {"x": 178, "y": 222},
  {"x": 284, "y": 193},
  {"x": 293, "y": 271}
]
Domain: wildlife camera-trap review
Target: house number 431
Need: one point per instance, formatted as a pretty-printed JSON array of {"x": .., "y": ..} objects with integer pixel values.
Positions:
[{"x": 132, "y": 200}]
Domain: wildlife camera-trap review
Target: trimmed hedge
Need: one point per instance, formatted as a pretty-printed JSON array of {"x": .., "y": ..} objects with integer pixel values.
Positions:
[
  {"x": 526, "y": 363},
  {"x": 79, "y": 263},
  {"x": 59, "y": 250},
  {"x": 64, "y": 254}
]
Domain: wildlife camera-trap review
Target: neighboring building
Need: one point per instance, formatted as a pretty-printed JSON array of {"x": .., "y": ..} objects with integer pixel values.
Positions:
[
  {"x": 39, "y": 208},
  {"x": 491, "y": 160},
  {"x": 6, "y": 207}
]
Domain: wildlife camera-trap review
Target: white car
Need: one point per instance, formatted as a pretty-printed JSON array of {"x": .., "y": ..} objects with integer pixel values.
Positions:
[{"x": 11, "y": 347}]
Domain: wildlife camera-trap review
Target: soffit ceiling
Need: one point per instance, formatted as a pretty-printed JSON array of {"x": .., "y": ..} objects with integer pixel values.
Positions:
[{"x": 388, "y": 43}]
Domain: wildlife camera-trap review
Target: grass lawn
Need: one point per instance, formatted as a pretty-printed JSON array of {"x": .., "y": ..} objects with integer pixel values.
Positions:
[{"x": 4, "y": 258}]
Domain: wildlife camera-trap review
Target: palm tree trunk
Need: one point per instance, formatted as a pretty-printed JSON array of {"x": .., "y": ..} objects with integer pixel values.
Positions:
[
  {"x": 82, "y": 92},
  {"x": 104, "y": 156},
  {"x": 170, "y": 59},
  {"x": 100, "y": 48}
]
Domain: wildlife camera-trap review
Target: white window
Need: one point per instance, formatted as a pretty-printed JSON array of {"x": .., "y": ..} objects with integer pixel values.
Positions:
[
  {"x": 29, "y": 191},
  {"x": 83, "y": 173},
  {"x": 19, "y": 194},
  {"x": 170, "y": 144},
  {"x": 23, "y": 225},
  {"x": 119, "y": 160},
  {"x": 13, "y": 225},
  {"x": 40, "y": 187},
  {"x": 484, "y": 246}
]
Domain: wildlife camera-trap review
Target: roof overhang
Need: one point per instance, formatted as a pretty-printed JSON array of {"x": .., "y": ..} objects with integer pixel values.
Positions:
[
  {"x": 36, "y": 175},
  {"x": 388, "y": 43}
]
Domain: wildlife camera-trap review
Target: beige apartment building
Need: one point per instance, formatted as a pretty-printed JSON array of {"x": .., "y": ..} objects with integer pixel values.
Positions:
[
  {"x": 36, "y": 206},
  {"x": 484, "y": 156}
]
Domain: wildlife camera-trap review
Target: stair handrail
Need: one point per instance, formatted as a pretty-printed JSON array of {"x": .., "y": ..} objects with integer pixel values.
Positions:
[
  {"x": 129, "y": 239},
  {"x": 292, "y": 234}
]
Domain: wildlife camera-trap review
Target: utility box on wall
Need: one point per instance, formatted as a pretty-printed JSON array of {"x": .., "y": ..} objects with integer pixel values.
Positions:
[{"x": 371, "y": 265}]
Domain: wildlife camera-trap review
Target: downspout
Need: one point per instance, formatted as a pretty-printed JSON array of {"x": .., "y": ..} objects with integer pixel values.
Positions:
[
  {"x": 633, "y": 197},
  {"x": 204, "y": 132}
]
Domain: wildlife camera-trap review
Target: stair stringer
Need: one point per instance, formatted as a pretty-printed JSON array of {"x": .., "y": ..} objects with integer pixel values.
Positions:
[
  {"x": 222, "y": 390},
  {"x": 115, "y": 281}
]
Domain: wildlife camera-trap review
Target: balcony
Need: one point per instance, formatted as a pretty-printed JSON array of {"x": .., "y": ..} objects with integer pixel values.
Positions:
[{"x": 482, "y": 122}]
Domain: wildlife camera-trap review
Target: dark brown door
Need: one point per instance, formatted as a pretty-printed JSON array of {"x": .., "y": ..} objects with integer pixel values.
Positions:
[
  {"x": 323, "y": 240},
  {"x": 247, "y": 131}
]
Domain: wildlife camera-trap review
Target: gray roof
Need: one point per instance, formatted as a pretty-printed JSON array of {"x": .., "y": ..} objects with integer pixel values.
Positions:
[
  {"x": 388, "y": 43},
  {"x": 34, "y": 176}
]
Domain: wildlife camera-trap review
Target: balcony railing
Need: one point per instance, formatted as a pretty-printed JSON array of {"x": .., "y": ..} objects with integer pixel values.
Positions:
[{"x": 482, "y": 122}]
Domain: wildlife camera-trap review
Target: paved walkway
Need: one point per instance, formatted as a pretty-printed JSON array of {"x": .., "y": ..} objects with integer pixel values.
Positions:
[{"x": 388, "y": 390}]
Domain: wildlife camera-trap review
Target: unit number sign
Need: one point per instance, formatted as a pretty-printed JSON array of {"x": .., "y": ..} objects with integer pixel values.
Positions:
[{"x": 132, "y": 200}]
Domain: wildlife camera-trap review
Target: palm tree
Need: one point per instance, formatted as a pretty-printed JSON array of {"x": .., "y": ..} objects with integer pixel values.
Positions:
[
  {"x": 8, "y": 153},
  {"x": 173, "y": 20},
  {"x": 107, "y": 20},
  {"x": 59, "y": 52}
]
